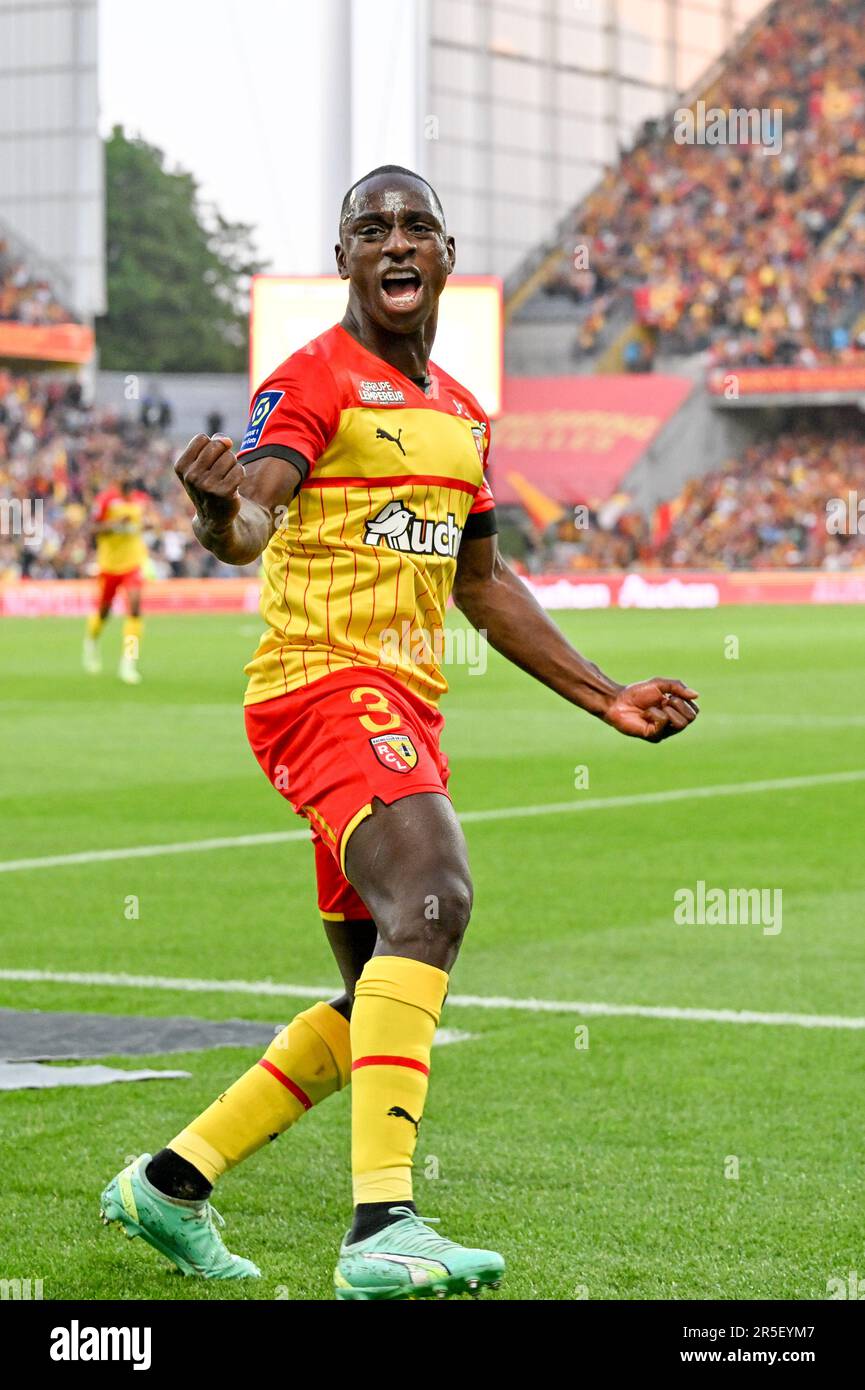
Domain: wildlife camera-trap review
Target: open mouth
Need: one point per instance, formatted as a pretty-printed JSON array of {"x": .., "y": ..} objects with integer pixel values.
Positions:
[{"x": 401, "y": 288}]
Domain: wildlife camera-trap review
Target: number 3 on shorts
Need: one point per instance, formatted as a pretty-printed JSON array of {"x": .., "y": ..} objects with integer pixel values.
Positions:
[{"x": 374, "y": 702}]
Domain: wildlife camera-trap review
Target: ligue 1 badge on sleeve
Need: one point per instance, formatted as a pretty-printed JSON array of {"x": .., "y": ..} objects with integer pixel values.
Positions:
[{"x": 265, "y": 404}]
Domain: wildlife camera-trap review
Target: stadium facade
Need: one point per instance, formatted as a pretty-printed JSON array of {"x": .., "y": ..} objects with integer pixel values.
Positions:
[
  {"x": 534, "y": 98},
  {"x": 513, "y": 108},
  {"x": 52, "y": 201}
]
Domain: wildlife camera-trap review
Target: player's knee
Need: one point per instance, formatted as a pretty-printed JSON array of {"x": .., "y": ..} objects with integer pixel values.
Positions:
[
  {"x": 431, "y": 919},
  {"x": 453, "y": 905}
]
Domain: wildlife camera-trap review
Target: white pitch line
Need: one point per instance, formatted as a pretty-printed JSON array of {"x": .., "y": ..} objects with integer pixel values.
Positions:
[
  {"x": 101, "y": 856},
  {"x": 494, "y": 813},
  {"x": 445, "y": 1036},
  {"x": 460, "y": 1001}
]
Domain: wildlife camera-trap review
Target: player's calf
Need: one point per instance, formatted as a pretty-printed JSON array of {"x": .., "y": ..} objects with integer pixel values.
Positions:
[
  {"x": 165, "y": 1199},
  {"x": 409, "y": 865}
]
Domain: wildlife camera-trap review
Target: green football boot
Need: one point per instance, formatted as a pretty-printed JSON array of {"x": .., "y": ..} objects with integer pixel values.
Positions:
[
  {"x": 408, "y": 1260},
  {"x": 183, "y": 1231}
]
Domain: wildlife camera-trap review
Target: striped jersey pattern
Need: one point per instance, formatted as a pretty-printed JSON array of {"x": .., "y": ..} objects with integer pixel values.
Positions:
[{"x": 360, "y": 568}]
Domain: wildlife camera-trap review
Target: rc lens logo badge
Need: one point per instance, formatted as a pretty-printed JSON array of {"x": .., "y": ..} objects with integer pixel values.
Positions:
[
  {"x": 395, "y": 751},
  {"x": 265, "y": 404}
]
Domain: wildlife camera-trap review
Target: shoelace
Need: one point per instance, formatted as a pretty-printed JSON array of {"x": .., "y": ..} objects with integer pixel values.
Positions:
[
  {"x": 413, "y": 1235},
  {"x": 208, "y": 1214}
]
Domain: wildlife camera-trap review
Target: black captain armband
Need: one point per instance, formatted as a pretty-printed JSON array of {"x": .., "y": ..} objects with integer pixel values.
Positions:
[
  {"x": 479, "y": 525},
  {"x": 278, "y": 451}
]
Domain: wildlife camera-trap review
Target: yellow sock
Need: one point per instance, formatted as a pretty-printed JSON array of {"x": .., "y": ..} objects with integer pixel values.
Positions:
[
  {"x": 397, "y": 1006},
  {"x": 94, "y": 625},
  {"x": 132, "y": 628},
  {"x": 307, "y": 1061}
]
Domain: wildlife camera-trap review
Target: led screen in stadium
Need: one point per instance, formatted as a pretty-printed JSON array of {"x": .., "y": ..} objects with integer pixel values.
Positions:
[{"x": 288, "y": 310}]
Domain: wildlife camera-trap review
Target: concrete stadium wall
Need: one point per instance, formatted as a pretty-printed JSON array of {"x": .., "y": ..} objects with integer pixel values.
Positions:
[
  {"x": 696, "y": 440},
  {"x": 52, "y": 185},
  {"x": 191, "y": 396},
  {"x": 541, "y": 348}
]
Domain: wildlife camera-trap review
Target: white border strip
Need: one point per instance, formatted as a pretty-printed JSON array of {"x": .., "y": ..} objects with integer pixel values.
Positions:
[
  {"x": 555, "y": 808},
  {"x": 272, "y": 988}
]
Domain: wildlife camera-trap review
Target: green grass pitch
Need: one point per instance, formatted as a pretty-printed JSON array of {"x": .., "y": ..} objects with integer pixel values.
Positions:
[{"x": 598, "y": 1171}]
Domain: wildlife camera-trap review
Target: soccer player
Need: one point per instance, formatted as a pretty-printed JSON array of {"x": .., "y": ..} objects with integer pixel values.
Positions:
[
  {"x": 361, "y": 477},
  {"x": 118, "y": 517}
]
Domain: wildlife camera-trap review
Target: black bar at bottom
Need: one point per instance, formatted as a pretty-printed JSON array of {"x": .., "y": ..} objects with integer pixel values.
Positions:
[{"x": 202, "y": 1336}]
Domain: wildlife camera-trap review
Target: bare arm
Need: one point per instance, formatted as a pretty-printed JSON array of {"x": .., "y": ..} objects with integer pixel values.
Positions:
[
  {"x": 496, "y": 601},
  {"x": 237, "y": 509}
]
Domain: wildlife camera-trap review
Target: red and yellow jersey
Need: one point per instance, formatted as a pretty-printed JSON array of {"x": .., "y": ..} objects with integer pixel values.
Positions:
[
  {"x": 120, "y": 551},
  {"x": 360, "y": 568}
]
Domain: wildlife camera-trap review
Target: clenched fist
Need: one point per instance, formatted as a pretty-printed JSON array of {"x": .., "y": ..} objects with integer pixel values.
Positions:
[
  {"x": 653, "y": 710},
  {"x": 211, "y": 475}
]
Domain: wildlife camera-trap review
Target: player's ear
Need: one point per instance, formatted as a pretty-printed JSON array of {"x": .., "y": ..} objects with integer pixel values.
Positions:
[
  {"x": 452, "y": 254},
  {"x": 339, "y": 253}
]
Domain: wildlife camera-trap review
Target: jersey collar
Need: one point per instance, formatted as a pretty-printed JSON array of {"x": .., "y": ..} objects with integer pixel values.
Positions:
[{"x": 382, "y": 363}]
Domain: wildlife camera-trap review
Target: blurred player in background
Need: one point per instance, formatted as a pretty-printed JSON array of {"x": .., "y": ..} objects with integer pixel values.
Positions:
[
  {"x": 362, "y": 475},
  {"x": 118, "y": 516}
]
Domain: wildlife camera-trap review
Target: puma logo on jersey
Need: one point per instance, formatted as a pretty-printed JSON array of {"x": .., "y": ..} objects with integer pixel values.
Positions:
[
  {"x": 401, "y": 1114},
  {"x": 394, "y": 438},
  {"x": 397, "y": 527}
]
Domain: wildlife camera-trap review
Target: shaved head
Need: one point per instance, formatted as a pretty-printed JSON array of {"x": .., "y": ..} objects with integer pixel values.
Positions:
[
  {"x": 395, "y": 251},
  {"x": 345, "y": 210}
]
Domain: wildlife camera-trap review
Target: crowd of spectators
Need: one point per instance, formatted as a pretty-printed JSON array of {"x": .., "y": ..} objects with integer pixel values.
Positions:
[
  {"x": 756, "y": 255},
  {"x": 789, "y": 502},
  {"x": 769, "y": 508},
  {"x": 24, "y": 298},
  {"x": 58, "y": 450},
  {"x": 776, "y": 506}
]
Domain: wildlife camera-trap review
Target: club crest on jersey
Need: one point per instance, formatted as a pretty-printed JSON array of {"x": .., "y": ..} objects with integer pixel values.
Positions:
[
  {"x": 397, "y": 527},
  {"x": 395, "y": 751},
  {"x": 380, "y": 393},
  {"x": 265, "y": 404}
]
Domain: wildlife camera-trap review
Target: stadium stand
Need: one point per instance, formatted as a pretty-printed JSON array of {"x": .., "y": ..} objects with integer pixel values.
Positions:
[
  {"x": 766, "y": 509},
  {"x": 24, "y": 298},
  {"x": 59, "y": 450},
  {"x": 727, "y": 253},
  {"x": 758, "y": 256}
]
